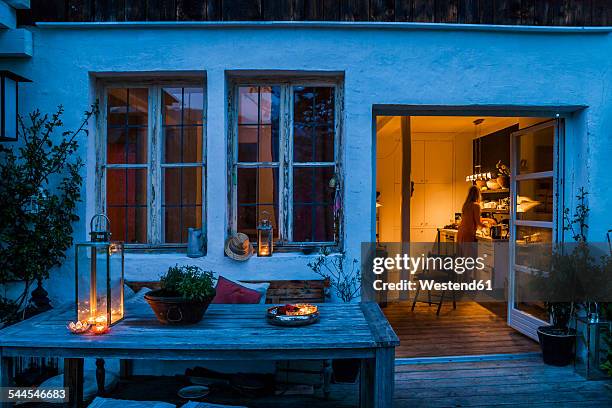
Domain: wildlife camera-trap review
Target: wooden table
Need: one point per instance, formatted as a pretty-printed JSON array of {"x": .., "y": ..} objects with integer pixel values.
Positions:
[{"x": 227, "y": 332}]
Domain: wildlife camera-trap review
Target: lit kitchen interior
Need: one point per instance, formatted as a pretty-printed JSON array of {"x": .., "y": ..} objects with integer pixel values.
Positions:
[{"x": 447, "y": 155}]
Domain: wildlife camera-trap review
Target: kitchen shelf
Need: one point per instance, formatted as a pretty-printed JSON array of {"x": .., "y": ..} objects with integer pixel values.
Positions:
[
  {"x": 498, "y": 191},
  {"x": 495, "y": 211}
]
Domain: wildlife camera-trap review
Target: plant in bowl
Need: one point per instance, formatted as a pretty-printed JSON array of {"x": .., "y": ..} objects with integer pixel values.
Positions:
[{"x": 184, "y": 296}]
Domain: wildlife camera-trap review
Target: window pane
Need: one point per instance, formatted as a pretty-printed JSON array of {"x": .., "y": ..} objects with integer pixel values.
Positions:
[
  {"x": 536, "y": 151},
  {"x": 248, "y": 105},
  {"x": 313, "y": 105},
  {"x": 313, "y": 143},
  {"x": 311, "y": 184},
  {"x": 183, "y": 144},
  {"x": 130, "y": 150},
  {"x": 173, "y": 103},
  {"x": 258, "y": 143},
  {"x": 313, "y": 223},
  {"x": 258, "y": 105},
  {"x": 313, "y": 215},
  {"x": 183, "y": 106},
  {"x": 247, "y": 143},
  {"x": 257, "y": 192},
  {"x": 313, "y": 129},
  {"x": 128, "y": 107},
  {"x": 138, "y": 106},
  {"x": 182, "y": 202},
  {"x": 126, "y": 200},
  {"x": 117, "y": 107},
  {"x": 193, "y": 105},
  {"x": 535, "y": 200},
  {"x": 258, "y": 185},
  {"x": 258, "y": 128}
]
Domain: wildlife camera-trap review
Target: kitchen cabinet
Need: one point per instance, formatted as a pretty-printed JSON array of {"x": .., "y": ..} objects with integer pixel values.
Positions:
[
  {"x": 439, "y": 161},
  {"x": 423, "y": 235},
  {"x": 417, "y": 161},
  {"x": 431, "y": 205}
]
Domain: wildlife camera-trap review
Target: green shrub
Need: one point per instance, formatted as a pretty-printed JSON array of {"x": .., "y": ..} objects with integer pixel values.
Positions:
[{"x": 189, "y": 282}]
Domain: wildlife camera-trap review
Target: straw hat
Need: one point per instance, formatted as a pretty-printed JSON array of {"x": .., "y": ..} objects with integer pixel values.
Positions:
[{"x": 238, "y": 247}]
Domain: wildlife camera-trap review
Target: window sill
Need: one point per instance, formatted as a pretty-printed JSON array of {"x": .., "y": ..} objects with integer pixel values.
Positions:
[{"x": 149, "y": 266}]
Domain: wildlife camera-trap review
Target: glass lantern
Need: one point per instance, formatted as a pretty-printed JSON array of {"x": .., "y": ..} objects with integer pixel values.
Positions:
[
  {"x": 99, "y": 277},
  {"x": 265, "y": 237}
]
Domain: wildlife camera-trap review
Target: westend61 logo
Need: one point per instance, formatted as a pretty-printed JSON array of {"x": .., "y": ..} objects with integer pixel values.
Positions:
[{"x": 451, "y": 265}]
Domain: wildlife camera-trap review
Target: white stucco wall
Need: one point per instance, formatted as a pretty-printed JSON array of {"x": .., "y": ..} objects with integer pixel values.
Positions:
[{"x": 381, "y": 66}]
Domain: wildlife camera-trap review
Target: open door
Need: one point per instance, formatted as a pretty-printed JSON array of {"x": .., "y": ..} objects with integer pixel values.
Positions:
[{"x": 536, "y": 203}]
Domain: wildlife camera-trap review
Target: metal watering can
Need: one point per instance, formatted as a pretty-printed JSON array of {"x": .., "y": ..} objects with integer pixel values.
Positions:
[{"x": 195, "y": 243}]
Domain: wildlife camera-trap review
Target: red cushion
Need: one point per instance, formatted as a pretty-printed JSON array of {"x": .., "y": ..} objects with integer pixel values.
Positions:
[{"x": 230, "y": 292}]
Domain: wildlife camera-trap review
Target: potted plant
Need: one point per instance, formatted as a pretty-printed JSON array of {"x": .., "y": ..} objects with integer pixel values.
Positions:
[
  {"x": 345, "y": 279},
  {"x": 503, "y": 175},
  {"x": 184, "y": 296},
  {"x": 561, "y": 286}
]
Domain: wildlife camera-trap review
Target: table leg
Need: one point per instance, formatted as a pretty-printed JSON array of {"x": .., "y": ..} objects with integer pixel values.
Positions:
[
  {"x": 125, "y": 369},
  {"x": 327, "y": 374},
  {"x": 6, "y": 375},
  {"x": 100, "y": 376},
  {"x": 73, "y": 380},
  {"x": 377, "y": 379}
]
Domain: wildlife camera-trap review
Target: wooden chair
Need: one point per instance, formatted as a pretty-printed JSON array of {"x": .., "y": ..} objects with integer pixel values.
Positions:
[{"x": 436, "y": 276}]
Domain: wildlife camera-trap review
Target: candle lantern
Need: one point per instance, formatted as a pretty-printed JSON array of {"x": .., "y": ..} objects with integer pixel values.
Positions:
[
  {"x": 265, "y": 237},
  {"x": 99, "y": 277}
]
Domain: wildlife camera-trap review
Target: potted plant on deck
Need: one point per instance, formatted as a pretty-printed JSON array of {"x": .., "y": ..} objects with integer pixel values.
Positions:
[
  {"x": 184, "y": 296},
  {"x": 569, "y": 266},
  {"x": 344, "y": 278}
]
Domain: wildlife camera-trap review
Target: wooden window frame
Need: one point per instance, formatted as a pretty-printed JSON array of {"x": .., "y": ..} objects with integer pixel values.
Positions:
[
  {"x": 286, "y": 164},
  {"x": 154, "y": 165}
]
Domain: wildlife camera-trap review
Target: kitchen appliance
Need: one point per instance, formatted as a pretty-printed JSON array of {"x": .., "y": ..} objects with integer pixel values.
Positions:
[{"x": 499, "y": 231}]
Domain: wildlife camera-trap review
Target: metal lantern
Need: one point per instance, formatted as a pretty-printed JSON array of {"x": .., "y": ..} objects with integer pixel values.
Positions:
[
  {"x": 265, "y": 237},
  {"x": 99, "y": 277}
]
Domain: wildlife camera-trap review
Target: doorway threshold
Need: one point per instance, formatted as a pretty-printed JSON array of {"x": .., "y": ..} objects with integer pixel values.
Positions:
[{"x": 464, "y": 359}]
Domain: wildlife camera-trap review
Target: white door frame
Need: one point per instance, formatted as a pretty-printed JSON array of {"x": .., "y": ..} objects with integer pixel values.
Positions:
[{"x": 517, "y": 319}]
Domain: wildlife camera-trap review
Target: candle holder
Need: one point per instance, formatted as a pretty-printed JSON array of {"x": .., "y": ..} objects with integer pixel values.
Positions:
[{"x": 99, "y": 268}]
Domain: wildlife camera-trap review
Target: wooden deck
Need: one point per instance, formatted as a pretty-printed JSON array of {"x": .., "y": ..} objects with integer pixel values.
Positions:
[
  {"x": 471, "y": 329},
  {"x": 510, "y": 383}
]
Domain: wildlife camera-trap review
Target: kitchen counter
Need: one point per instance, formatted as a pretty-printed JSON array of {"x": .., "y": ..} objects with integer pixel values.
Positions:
[
  {"x": 493, "y": 251},
  {"x": 479, "y": 235}
]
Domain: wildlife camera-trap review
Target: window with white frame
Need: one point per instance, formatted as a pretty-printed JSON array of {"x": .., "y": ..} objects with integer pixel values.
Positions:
[
  {"x": 284, "y": 160},
  {"x": 152, "y": 157}
]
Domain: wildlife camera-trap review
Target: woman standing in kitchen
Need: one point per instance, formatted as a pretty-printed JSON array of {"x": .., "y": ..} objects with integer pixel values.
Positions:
[
  {"x": 470, "y": 221},
  {"x": 470, "y": 217}
]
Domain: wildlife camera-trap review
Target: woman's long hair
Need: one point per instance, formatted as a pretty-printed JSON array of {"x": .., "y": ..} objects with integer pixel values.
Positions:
[{"x": 473, "y": 196}]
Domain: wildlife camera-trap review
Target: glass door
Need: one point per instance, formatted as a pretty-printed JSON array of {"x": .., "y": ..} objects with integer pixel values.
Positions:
[{"x": 536, "y": 208}]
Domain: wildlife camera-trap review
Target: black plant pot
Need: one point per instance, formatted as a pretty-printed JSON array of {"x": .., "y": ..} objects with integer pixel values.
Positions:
[
  {"x": 174, "y": 310},
  {"x": 345, "y": 371},
  {"x": 557, "y": 345}
]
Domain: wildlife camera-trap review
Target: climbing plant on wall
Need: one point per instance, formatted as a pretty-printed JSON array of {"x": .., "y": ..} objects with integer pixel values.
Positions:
[{"x": 40, "y": 186}]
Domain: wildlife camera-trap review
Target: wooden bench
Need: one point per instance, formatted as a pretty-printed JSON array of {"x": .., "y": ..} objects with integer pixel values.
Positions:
[{"x": 280, "y": 291}]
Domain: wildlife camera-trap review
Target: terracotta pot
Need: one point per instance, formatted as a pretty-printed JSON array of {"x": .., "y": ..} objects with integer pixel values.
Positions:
[
  {"x": 503, "y": 181},
  {"x": 174, "y": 310}
]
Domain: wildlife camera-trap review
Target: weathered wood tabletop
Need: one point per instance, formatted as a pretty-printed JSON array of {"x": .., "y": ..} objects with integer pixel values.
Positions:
[{"x": 227, "y": 332}]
